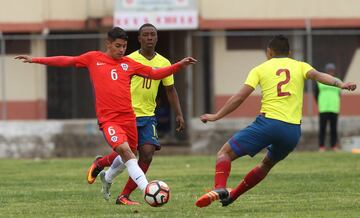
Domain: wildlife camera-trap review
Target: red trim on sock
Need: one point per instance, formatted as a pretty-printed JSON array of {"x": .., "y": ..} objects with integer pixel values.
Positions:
[
  {"x": 107, "y": 160},
  {"x": 143, "y": 166},
  {"x": 222, "y": 172},
  {"x": 255, "y": 176}
]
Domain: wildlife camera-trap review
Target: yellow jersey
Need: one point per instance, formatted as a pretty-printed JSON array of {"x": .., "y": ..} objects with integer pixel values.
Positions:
[
  {"x": 282, "y": 87},
  {"x": 144, "y": 90}
]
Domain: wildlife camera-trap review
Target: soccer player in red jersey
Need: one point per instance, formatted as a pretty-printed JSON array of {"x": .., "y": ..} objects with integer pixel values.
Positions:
[
  {"x": 143, "y": 95},
  {"x": 277, "y": 128},
  {"x": 111, "y": 74}
]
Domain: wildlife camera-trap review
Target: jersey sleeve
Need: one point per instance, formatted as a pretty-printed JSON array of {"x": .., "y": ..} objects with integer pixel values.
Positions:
[
  {"x": 64, "y": 61},
  {"x": 168, "y": 81},
  {"x": 305, "y": 69},
  {"x": 137, "y": 68},
  {"x": 148, "y": 72},
  {"x": 55, "y": 61},
  {"x": 83, "y": 60},
  {"x": 253, "y": 78}
]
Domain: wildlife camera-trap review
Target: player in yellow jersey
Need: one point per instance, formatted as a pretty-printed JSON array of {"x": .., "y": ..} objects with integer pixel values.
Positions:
[
  {"x": 277, "y": 128},
  {"x": 143, "y": 97}
]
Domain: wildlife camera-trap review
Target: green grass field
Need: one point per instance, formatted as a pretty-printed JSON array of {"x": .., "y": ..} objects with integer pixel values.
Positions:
[{"x": 304, "y": 185}]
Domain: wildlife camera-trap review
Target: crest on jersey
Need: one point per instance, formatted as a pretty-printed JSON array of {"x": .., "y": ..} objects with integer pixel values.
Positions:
[
  {"x": 114, "y": 138},
  {"x": 125, "y": 67}
]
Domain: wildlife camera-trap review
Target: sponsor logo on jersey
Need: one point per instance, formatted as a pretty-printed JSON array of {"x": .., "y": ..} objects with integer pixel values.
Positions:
[
  {"x": 99, "y": 64},
  {"x": 125, "y": 67}
]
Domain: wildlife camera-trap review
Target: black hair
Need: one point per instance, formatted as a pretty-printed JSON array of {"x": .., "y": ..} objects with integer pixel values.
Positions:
[
  {"x": 280, "y": 45},
  {"x": 146, "y": 25},
  {"x": 117, "y": 33}
]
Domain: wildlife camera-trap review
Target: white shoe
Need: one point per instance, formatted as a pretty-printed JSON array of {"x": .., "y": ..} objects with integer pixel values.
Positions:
[{"x": 105, "y": 186}]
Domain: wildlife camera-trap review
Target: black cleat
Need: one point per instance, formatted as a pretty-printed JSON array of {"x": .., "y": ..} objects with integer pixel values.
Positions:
[{"x": 227, "y": 201}]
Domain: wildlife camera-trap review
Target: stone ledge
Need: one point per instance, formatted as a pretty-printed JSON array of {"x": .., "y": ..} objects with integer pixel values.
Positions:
[
  {"x": 81, "y": 138},
  {"x": 51, "y": 138}
]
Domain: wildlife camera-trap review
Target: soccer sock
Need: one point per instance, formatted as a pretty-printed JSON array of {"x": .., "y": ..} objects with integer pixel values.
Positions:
[
  {"x": 131, "y": 185},
  {"x": 107, "y": 160},
  {"x": 115, "y": 169},
  {"x": 136, "y": 174},
  {"x": 250, "y": 180},
  {"x": 222, "y": 171}
]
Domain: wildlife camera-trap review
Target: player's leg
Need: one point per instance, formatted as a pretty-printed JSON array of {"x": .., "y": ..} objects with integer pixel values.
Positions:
[
  {"x": 125, "y": 143},
  {"x": 245, "y": 142},
  {"x": 223, "y": 165},
  {"x": 286, "y": 136},
  {"x": 255, "y": 176},
  {"x": 333, "y": 131},
  {"x": 109, "y": 175},
  {"x": 322, "y": 131},
  {"x": 98, "y": 165},
  {"x": 146, "y": 153},
  {"x": 131, "y": 163},
  {"x": 250, "y": 141},
  {"x": 222, "y": 172},
  {"x": 115, "y": 169},
  {"x": 148, "y": 144}
]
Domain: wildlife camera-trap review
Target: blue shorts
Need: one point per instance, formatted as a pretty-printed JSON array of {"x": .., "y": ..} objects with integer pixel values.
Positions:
[
  {"x": 147, "y": 133},
  {"x": 279, "y": 137}
]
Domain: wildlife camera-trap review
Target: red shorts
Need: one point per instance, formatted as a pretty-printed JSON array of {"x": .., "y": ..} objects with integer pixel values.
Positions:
[{"x": 117, "y": 133}]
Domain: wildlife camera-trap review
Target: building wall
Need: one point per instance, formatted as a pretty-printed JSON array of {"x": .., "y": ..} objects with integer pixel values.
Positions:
[
  {"x": 35, "y": 15},
  {"x": 26, "y": 84},
  {"x": 15, "y": 15},
  {"x": 234, "y": 14},
  {"x": 232, "y": 66},
  {"x": 260, "y": 9},
  {"x": 354, "y": 69},
  {"x": 18, "y": 11}
]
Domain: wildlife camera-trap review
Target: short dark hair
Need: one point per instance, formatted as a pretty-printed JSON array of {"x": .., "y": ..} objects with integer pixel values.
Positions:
[
  {"x": 117, "y": 33},
  {"x": 280, "y": 45},
  {"x": 146, "y": 25}
]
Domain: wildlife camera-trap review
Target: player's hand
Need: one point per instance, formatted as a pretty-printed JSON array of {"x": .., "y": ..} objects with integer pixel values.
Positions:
[
  {"x": 208, "y": 117},
  {"x": 181, "y": 123},
  {"x": 349, "y": 86},
  {"x": 24, "y": 58},
  {"x": 187, "y": 61}
]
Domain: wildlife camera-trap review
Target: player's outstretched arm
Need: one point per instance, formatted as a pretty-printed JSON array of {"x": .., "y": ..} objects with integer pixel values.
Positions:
[
  {"x": 56, "y": 61},
  {"x": 167, "y": 71},
  {"x": 24, "y": 58},
  {"x": 234, "y": 102},
  {"x": 330, "y": 80}
]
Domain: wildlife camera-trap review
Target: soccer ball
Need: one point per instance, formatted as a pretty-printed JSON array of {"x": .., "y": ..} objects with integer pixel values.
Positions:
[{"x": 157, "y": 193}]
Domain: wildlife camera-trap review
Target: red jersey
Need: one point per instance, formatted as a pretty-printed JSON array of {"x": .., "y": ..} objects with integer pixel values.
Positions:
[{"x": 111, "y": 81}]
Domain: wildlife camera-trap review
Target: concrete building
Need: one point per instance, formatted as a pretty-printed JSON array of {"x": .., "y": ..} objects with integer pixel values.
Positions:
[
  {"x": 233, "y": 56},
  {"x": 229, "y": 40}
]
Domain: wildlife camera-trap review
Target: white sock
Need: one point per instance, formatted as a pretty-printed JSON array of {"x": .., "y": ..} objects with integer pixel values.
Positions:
[
  {"x": 115, "y": 169},
  {"x": 136, "y": 174}
]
